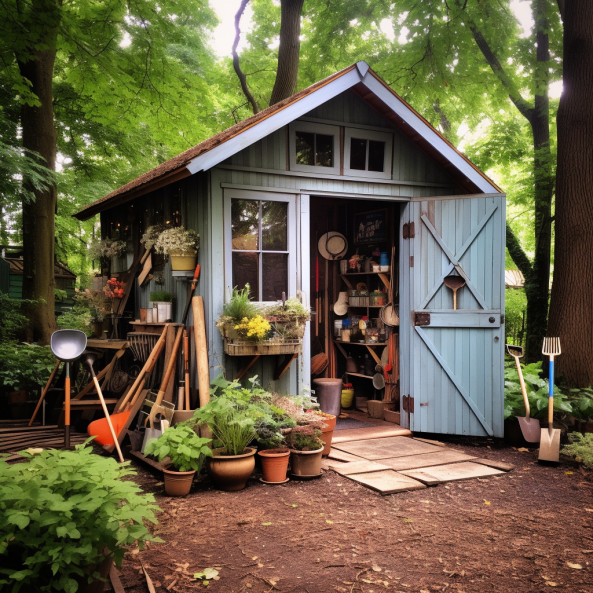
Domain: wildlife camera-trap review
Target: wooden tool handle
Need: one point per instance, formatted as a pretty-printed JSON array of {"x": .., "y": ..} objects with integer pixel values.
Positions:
[
  {"x": 148, "y": 365},
  {"x": 106, "y": 412},
  {"x": 67, "y": 400},
  {"x": 51, "y": 378},
  {"x": 186, "y": 367},
  {"x": 201, "y": 350},
  {"x": 172, "y": 361}
]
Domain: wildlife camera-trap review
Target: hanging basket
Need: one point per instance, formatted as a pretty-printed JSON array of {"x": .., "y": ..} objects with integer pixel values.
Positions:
[{"x": 266, "y": 348}]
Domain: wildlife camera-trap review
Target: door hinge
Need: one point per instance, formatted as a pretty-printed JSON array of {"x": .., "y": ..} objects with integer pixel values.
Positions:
[
  {"x": 408, "y": 402},
  {"x": 408, "y": 231},
  {"x": 502, "y": 319},
  {"x": 422, "y": 318}
]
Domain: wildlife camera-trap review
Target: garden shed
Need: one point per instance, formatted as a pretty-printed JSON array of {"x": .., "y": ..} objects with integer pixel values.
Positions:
[{"x": 344, "y": 195}]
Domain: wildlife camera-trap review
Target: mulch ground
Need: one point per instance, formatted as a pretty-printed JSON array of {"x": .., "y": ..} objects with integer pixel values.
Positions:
[{"x": 530, "y": 530}]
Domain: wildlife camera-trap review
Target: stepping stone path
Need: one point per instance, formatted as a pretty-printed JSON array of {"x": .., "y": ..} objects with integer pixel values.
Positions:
[{"x": 400, "y": 463}]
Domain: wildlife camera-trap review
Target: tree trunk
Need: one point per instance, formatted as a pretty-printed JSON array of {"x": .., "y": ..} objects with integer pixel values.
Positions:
[
  {"x": 39, "y": 135},
  {"x": 289, "y": 50},
  {"x": 571, "y": 309}
]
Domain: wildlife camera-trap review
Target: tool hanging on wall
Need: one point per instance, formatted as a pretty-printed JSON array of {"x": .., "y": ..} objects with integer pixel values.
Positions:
[{"x": 454, "y": 282}]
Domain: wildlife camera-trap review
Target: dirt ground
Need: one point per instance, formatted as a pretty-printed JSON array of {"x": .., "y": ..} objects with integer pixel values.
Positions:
[{"x": 529, "y": 530}]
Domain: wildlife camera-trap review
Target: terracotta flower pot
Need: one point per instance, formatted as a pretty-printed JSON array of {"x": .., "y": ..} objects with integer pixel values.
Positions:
[
  {"x": 327, "y": 432},
  {"x": 306, "y": 463},
  {"x": 274, "y": 464},
  {"x": 178, "y": 483},
  {"x": 230, "y": 472}
]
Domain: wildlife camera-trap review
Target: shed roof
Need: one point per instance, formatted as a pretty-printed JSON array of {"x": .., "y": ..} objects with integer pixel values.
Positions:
[
  {"x": 60, "y": 270},
  {"x": 357, "y": 77}
]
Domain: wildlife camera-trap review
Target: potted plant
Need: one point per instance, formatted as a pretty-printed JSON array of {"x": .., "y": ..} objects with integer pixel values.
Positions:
[
  {"x": 180, "y": 245},
  {"x": 106, "y": 249},
  {"x": 327, "y": 429},
  {"x": 64, "y": 534},
  {"x": 274, "y": 453},
  {"x": 164, "y": 303},
  {"x": 186, "y": 451},
  {"x": 231, "y": 416},
  {"x": 288, "y": 319},
  {"x": 237, "y": 308},
  {"x": 306, "y": 449}
]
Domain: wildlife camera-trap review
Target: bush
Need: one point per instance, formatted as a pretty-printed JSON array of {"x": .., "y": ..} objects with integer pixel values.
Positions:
[
  {"x": 25, "y": 366},
  {"x": 581, "y": 448},
  {"x": 12, "y": 320},
  {"x": 515, "y": 305},
  {"x": 79, "y": 318},
  {"x": 60, "y": 511}
]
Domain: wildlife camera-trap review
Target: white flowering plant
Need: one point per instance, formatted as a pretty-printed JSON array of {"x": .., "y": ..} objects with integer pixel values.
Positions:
[{"x": 177, "y": 240}]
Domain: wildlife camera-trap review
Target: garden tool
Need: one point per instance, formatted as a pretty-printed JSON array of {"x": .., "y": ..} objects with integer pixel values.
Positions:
[
  {"x": 190, "y": 293},
  {"x": 90, "y": 359},
  {"x": 549, "y": 446},
  {"x": 454, "y": 282},
  {"x": 186, "y": 367},
  {"x": 529, "y": 426},
  {"x": 67, "y": 345},
  {"x": 45, "y": 390}
]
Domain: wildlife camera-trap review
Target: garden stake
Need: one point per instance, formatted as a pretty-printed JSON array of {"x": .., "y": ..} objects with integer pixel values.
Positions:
[
  {"x": 529, "y": 426},
  {"x": 90, "y": 359},
  {"x": 51, "y": 378},
  {"x": 549, "y": 448}
]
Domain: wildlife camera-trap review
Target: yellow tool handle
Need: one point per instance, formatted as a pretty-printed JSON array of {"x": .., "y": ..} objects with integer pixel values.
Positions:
[{"x": 111, "y": 430}]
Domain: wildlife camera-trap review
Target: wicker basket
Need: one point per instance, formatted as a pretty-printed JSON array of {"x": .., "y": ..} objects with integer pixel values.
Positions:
[{"x": 268, "y": 348}]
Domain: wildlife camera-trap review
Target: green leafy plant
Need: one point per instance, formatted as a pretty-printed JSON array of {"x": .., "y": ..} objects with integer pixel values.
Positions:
[
  {"x": 293, "y": 311},
  {"x": 12, "y": 320},
  {"x": 79, "y": 318},
  {"x": 305, "y": 438},
  {"x": 239, "y": 305},
  {"x": 183, "y": 446},
  {"x": 161, "y": 296},
  {"x": 581, "y": 448},
  {"x": 25, "y": 366},
  {"x": 61, "y": 513}
]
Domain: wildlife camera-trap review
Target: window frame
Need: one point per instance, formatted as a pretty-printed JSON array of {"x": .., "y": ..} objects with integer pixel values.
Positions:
[
  {"x": 291, "y": 229},
  {"x": 323, "y": 129},
  {"x": 368, "y": 135}
]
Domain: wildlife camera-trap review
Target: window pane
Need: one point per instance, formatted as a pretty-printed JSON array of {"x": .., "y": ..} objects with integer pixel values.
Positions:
[
  {"x": 304, "y": 148},
  {"x": 274, "y": 226},
  {"x": 376, "y": 155},
  {"x": 246, "y": 271},
  {"x": 275, "y": 271},
  {"x": 358, "y": 154},
  {"x": 324, "y": 155},
  {"x": 245, "y": 224}
]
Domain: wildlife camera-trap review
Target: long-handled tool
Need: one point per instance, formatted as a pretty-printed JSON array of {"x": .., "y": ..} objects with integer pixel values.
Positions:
[
  {"x": 529, "y": 426},
  {"x": 190, "y": 293},
  {"x": 45, "y": 390},
  {"x": 549, "y": 447},
  {"x": 186, "y": 367},
  {"x": 67, "y": 345},
  {"x": 454, "y": 283},
  {"x": 90, "y": 359}
]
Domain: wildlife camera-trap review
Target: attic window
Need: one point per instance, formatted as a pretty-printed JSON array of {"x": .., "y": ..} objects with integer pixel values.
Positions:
[
  {"x": 314, "y": 148},
  {"x": 367, "y": 153}
]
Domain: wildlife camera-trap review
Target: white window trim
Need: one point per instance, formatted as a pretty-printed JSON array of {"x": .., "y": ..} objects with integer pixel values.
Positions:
[
  {"x": 290, "y": 199},
  {"x": 368, "y": 135},
  {"x": 304, "y": 126}
]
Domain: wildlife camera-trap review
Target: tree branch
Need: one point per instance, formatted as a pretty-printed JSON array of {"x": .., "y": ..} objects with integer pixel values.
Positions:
[
  {"x": 517, "y": 254},
  {"x": 520, "y": 103},
  {"x": 236, "y": 65}
]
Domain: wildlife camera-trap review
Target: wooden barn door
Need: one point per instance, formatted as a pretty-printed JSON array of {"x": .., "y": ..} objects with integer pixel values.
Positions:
[{"x": 452, "y": 360}]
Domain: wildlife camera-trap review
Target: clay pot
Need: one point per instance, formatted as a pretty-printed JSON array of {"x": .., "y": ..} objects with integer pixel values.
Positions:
[
  {"x": 178, "y": 483},
  {"x": 182, "y": 416},
  {"x": 329, "y": 393},
  {"x": 327, "y": 433},
  {"x": 230, "y": 472},
  {"x": 306, "y": 463},
  {"x": 274, "y": 464},
  {"x": 97, "y": 585}
]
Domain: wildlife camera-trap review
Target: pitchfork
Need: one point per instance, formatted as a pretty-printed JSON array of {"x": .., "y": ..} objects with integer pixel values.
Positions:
[{"x": 550, "y": 440}]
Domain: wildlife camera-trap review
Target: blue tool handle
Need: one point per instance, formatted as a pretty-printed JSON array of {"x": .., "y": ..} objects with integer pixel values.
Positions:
[{"x": 551, "y": 377}]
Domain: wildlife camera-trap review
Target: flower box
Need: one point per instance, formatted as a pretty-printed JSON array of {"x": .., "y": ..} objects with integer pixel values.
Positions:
[{"x": 264, "y": 348}]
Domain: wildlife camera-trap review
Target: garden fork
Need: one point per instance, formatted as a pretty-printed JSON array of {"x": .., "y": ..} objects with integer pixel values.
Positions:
[{"x": 549, "y": 449}]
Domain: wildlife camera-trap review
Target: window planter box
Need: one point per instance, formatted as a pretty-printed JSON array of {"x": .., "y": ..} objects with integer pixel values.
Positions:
[{"x": 265, "y": 348}]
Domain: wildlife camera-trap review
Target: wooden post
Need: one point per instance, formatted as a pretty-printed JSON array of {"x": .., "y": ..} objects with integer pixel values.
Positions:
[{"x": 201, "y": 350}]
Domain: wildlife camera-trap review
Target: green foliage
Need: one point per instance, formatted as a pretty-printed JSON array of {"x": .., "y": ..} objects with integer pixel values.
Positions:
[
  {"x": 514, "y": 307},
  {"x": 25, "y": 366},
  {"x": 581, "y": 448},
  {"x": 78, "y": 318},
  {"x": 305, "y": 438},
  {"x": 12, "y": 320},
  {"x": 575, "y": 402},
  {"x": 183, "y": 446},
  {"x": 60, "y": 511},
  {"x": 161, "y": 296},
  {"x": 239, "y": 305}
]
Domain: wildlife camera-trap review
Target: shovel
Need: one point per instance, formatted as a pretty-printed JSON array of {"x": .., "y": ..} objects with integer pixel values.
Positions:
[
  {"x": 454, "y": 283},
  {"x": 529, "y": 426},
  {"x": 549, "y": 447}
]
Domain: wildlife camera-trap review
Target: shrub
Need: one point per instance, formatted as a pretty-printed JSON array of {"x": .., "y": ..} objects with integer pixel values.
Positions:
[
  {"x": 25, "y": 366},
  {"x": 79, "y": 318},
  {"x": 12, "y": 320},
  {"x": 60, "y": 512},
  {"x": 515, "y": 305},
  {"x": 581, "y": 448},
  {"x": 183, "y": 446}
]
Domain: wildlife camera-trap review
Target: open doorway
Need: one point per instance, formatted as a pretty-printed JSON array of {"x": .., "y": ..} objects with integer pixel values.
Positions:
[{"x": 354, "y": 247}]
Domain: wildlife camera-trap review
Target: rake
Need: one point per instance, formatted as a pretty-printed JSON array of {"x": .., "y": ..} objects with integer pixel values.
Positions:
[{"x": 549, "y": 449}]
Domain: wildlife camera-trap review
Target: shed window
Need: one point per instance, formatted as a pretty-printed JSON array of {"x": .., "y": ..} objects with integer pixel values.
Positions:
[
  {"x": 314, "y": 147},
  {"x": 259, "y": 235},
  {"x": 367, "y": 153}
]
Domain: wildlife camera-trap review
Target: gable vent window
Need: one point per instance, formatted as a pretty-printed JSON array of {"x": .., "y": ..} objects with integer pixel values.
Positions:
[
  {"x": 367, "y": 153},
  {"x": 314, "y": 147}
]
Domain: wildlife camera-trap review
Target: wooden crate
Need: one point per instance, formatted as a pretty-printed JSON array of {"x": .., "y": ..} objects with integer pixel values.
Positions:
[{"x": 239, "y": 348}]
